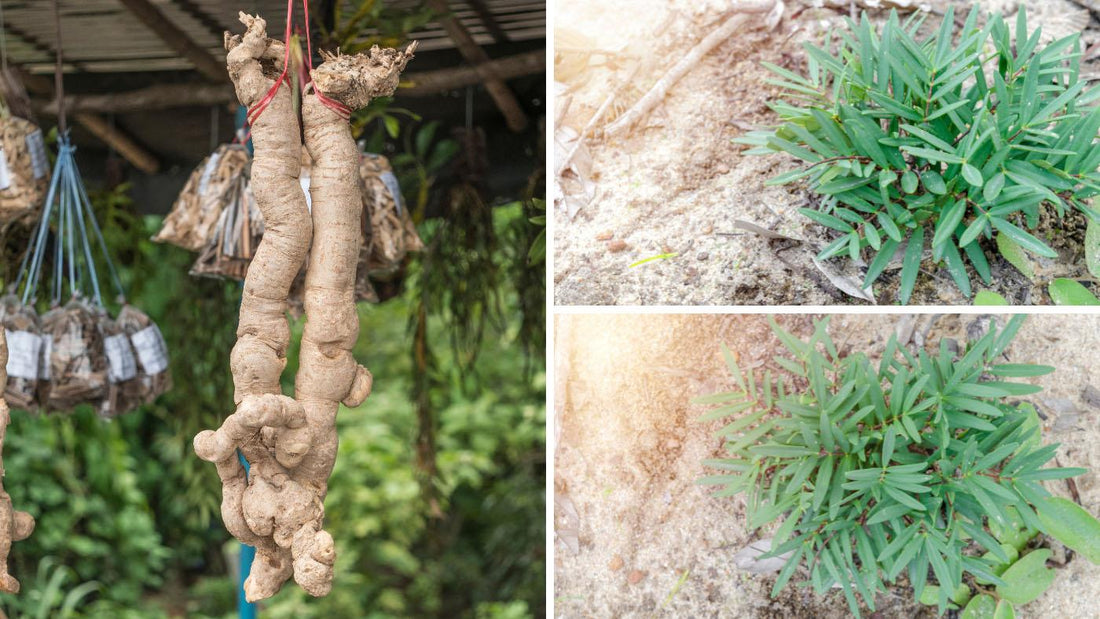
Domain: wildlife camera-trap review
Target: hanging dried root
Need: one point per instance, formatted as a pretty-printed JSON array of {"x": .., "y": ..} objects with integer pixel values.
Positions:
[
  {"x": 264, "y": 422},
  {"x": 729, "y": 28},
  {"x": 328, "y": 374},
  {"x": 291, "y": 443},
  {"x": 14, "y": 525}
]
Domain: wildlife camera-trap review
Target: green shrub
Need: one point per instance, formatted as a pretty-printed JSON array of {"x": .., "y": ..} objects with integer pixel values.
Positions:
[
  {"x": 915, "y": 465},
  {"x": 942, "y": 140}
]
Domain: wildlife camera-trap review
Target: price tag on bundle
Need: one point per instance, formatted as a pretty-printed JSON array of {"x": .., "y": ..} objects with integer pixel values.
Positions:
[
  {"x": 389, "y": 179},
  {"x": 121, "y": 365},
  {"x": 5, "y": 171},
  {"x": 207, "y": 171},
  {"x": 151, "y": 350},
  {"x": 44, "y": 359},
  {"x": 37, "y": 148},
  {"x": 24, "y": 351},
  {"x": 303, "y": 180}
]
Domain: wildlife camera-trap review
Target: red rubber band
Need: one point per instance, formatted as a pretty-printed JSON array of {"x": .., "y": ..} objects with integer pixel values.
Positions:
[{"x": 305, "y": 80}]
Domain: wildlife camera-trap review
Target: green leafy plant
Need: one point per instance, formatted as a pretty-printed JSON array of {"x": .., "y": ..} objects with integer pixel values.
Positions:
[
  {"x": 918, "y": 464},
  {"x": 940, "y": 140}
]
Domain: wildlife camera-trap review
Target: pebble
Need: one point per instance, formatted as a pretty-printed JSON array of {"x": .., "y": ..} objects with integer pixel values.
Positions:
[
  {"x": 635, "y": 577},
  {"x": 616, "y": 563},
  {"x": 723, "y": 168},
  {"x": 606, "y": 235},
  {"x": 617, "y": 246},
  {"x": 703, "y": 256}
]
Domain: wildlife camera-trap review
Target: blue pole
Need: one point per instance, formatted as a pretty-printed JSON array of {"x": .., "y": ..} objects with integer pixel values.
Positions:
[{"x": 245, "y": 609}]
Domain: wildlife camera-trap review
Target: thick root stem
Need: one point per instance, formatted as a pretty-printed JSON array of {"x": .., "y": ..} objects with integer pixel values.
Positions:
[{"x": 291, "y": 443}]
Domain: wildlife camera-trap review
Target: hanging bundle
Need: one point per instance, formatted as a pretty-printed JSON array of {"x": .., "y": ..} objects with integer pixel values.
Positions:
[
  {"x": 391, "y": 234},
  {"x": 24, "y": 167},
  {"x": 25, "y": 352},
  {"x": 214, "y": 186},
  {"x": 233, "y": 239},
  {"x": 82, "y": 355}
]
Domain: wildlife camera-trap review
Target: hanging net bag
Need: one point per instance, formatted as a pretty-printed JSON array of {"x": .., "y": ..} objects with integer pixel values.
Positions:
[{"x": 86, "y": 357}]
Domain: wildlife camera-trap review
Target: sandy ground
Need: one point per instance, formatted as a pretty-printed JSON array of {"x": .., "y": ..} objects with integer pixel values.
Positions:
[
  {"x": 677, "y": 184},
  {"x": 636, "y": 537}
]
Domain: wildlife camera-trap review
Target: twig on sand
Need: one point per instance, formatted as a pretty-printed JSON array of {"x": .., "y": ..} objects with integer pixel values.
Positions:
[
  {"x": 731, "y": 26},
  {"x": 596, "y": 118}
]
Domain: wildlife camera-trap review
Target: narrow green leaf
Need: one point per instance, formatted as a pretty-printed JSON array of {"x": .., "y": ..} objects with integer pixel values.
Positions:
[
  {"x": 1026, "y": 240},
  {"x": 911, "y": 264},
  {"x": 993, "y": 188}
]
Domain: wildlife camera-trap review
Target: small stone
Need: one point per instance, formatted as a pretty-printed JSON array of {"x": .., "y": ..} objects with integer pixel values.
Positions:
[
  {"x": 723, "y": 168},
  {"x": 703, "y": 256},
  {"x": 606, "y": 235},
  {"x": 1091, "y": 396},
  {"x": 635, "y": 577},
  {"x": 616, "y": 563},
  {"x": 617, "y": 246}
]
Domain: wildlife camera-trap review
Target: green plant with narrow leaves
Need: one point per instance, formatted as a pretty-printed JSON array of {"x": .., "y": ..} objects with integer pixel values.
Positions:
[
  {"x": 920, "y": 464},
  {"x": 939, "y": 141}
]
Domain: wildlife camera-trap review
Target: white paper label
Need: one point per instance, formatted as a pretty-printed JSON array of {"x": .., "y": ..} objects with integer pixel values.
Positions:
[
  {"x": 37, "y": 148},
  {"x": 44, "y": 358},
  {"x": 121, "y": 365},
  {"x": 151, "y": 351},
  {"x": 389, "y": 179},
  {"x": 24, "y": 349},
  {"x": 204, "y": 180},
  {"x": 303, "y": 180}
]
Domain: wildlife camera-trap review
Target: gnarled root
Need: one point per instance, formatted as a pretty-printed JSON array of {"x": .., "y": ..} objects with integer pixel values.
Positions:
[
  {"x": 290, "y": 443},
  {"x": 14, "y": 525}
]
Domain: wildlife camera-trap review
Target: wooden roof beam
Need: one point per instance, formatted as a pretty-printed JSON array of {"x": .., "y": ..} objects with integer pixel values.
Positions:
[
  {"x": 122, "y": 143},
  {"x": 503, "y": 96},
  {"x": 167, "y": 96},
  {"x": 490, "y": 22},
  {"x": 177, "y": 40},
  {"x": 96, "y": 125}
]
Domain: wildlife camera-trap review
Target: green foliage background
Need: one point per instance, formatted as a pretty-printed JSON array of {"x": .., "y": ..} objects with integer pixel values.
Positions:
[{"x": 125, "y": 508}]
